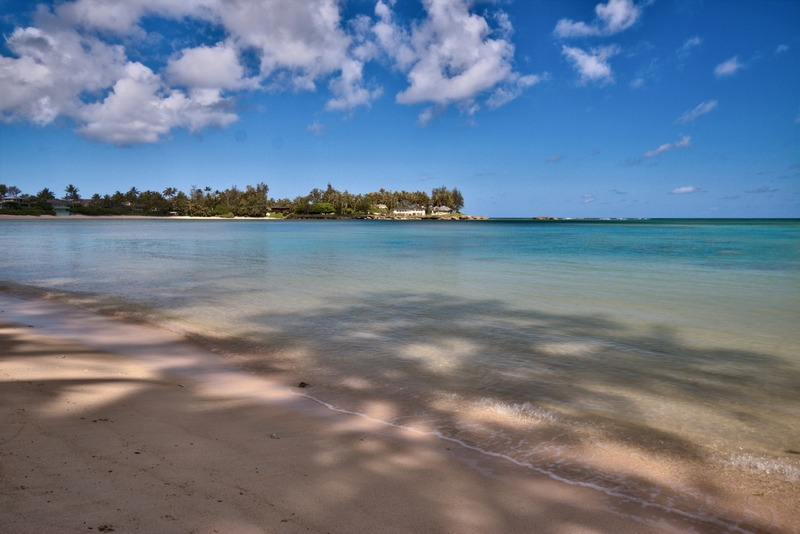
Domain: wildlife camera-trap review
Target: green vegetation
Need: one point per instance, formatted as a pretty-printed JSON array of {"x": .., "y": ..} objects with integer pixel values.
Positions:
[{"x": 252, "y": 201}]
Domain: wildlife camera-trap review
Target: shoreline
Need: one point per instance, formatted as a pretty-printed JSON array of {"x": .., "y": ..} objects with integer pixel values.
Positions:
[
  {"x": 152, "y": 392},
  {"x": 217, "y": 218}
]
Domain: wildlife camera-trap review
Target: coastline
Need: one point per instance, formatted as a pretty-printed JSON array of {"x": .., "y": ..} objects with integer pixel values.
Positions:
[
  {"x": 217, "y": 218},
  {"x": 122, "y": 424},
  {"x": 130, "y": 217}
]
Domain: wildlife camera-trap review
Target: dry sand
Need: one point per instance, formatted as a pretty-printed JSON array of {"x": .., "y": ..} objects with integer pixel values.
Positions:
[{"x": 112, "y": 426}]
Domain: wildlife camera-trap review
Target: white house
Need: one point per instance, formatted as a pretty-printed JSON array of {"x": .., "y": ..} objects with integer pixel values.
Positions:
[{"x": 408, "y": 212}]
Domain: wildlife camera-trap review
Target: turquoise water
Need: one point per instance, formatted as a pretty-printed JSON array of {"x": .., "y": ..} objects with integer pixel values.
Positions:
[{"x": 520, "y": 337}]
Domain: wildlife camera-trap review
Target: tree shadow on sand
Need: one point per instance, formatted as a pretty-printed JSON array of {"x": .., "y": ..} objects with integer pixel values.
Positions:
[
  {"x": 383, "y": 350},
  {"x": 575, "y": 381},
  {"x": 591, "y": 363},
  {"x": 155, "y": 457}
]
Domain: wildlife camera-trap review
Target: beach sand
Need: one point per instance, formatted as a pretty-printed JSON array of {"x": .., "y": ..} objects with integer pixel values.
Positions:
[{"x": 114, "y": 426}]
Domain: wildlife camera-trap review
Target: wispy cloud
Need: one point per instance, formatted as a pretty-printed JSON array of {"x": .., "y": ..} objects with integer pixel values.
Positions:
[
  {"x": 685, "y": 190},
  {"x": 555, "y": 159},
  {"x": 762, "y": 189},
  {"x": 781, "y": 48},
  {"x": 728, "y": 68},
  {"x": 317, "y": 128},
  {"x": 688, "y": 45},
  {"x": 685, "y": 142},
  {"x": 587, "y": 198},
  {"x": 612, "y": 17},
  {"x": 702, "y": 109},
  {"x": 592, "y": 66},
  {"x": 730, "y": 197}
]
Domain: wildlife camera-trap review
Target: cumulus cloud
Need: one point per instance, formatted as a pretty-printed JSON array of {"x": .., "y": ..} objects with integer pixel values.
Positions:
[
  {"x": 140, "y": 109},
  {"x": 65, "y": 64},
  {"x": 349, "y": 89},
  {"x": 701, "y": 109},
  {"x": 215, "y": 67},
  {"x": 592, "y": 66},
  {"x": 451, "y": 57},
  {"x": 728, "y": 68},
  {"x": 685, "y": 190},
  {"x": 53, "y": 68},
  {"x": 685, "y": 142},
  {"x": 612, "y": 17}
]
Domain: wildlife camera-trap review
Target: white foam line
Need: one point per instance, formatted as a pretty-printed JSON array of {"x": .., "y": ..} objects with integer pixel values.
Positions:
[{"x": 733, "y": 527}]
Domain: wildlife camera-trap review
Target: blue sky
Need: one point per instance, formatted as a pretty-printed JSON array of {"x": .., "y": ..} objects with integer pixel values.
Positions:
[{"x": 664, "y": 108}]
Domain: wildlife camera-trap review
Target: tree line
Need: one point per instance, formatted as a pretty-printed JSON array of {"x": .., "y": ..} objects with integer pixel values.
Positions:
[{"x": 252, "y": 201}]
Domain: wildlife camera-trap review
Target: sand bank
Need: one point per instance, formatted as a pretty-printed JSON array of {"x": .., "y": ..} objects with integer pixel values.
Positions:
[{"x": 111, "y": 425}]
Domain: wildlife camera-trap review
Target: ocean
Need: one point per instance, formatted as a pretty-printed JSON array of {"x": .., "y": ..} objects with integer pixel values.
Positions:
[{"x": 667, "y": 346}]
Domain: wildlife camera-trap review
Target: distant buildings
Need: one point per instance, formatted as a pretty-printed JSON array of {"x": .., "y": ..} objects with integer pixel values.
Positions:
[{"x": 408, "y": 212}]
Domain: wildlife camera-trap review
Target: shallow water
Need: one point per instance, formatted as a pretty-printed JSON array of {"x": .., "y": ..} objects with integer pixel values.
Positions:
[{"x": 670, "y": 337}]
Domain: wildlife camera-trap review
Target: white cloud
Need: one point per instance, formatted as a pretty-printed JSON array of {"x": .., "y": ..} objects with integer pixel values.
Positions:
[
  {"x": 215, "y": 67},
  {"x": 688, "y": 45},
  {"x": 587, "y": 198},
  {"x": 554, "y": 159},
  {"x": 116, "y": 17},
  {"x": 63, "y": 64},
  {"x": 430, "y": 113},
  {"x": 450, "y": 57},
  {"x": 512, "y": 89},
  {"x": 53, "y": 68},
  {"x": 701, "y": 109},
  {"x": 316, "y": 128},
  {"x": 781, "y": 48},
  {"x": 392, "y": 39},
  {"x": 728, "y": 68},
  {"x": 140, "y": 110},
  {"x": 349, "y": 89},
  {"x": 685, "y": 142},
  {"x": 592, "y": 66},
  {"x": 613, "y": 17},
  {"x": 685, "y": 190},
  {"x": 455, "y": 59}
]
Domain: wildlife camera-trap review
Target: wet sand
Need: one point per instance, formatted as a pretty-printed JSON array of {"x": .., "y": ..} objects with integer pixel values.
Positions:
[{"x": 114, "y": 426}]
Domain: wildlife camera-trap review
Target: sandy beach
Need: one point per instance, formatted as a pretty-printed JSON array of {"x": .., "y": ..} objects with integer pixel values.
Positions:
[{"x": 113, "y": 426}]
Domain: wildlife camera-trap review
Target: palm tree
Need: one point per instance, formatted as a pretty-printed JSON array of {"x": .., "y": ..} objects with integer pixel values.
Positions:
[
  {"x": 72, "y": 194},
  {"x": 170, "y": 193},
  {"x": 132, "y": 195},
  {"x": 42, "y": 197}
]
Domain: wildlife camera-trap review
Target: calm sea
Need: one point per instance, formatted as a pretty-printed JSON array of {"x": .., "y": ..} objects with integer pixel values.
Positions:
[{"x": 521, "y": 338}]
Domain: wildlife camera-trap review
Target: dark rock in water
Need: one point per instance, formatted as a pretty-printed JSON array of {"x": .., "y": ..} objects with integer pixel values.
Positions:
[
  {"x": 303, "y": 385},
  {"x": 792, "y": 451}
]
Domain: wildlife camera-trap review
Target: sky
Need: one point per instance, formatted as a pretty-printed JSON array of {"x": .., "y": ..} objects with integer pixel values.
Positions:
[{"x": 653, "y": 108}]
